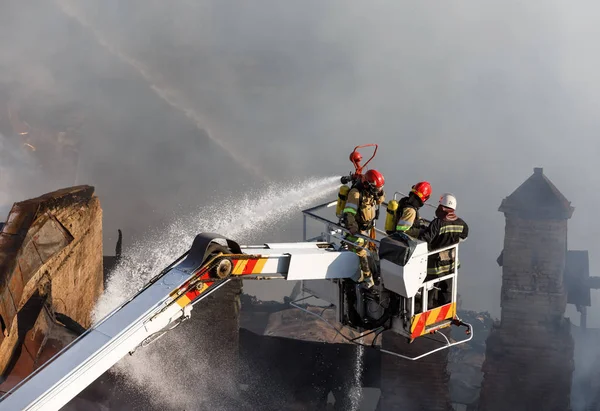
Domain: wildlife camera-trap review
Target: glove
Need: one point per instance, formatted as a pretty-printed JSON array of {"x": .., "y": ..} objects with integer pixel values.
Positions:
[
  {"x": 351, "y": 223},
  {"x": 353, "y": 228}
]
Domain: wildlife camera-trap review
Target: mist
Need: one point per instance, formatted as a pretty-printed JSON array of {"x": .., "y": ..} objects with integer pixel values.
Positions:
[
  {"x": 12, "y": 160},
  {"x": 181, "y": 105},
  {"x": 469, "y": 97}
]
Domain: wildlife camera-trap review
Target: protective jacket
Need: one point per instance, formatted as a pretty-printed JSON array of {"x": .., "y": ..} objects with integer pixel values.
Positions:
[
  {"x": 407, "y": 215},
  {"x": 361, "y": 208},
  {"x": 443, "y": 232}
]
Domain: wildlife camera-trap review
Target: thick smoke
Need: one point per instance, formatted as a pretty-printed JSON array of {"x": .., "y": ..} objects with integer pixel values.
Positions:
[
  {"x": 469, "y": 97},
  {"x": 20, "y": 175}
]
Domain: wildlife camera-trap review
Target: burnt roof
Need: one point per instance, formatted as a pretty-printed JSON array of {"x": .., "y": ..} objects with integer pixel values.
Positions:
[
  {"x": 537, "y": 198},
  {"x": 23, "y": 214}
]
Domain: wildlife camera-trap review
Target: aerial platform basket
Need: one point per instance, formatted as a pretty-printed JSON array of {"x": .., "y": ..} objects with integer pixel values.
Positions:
[{"x": 401, "y": 272}]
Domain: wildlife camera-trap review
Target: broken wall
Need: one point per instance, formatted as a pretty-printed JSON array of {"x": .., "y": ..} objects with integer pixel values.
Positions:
[{"x": 50, "y": 264}]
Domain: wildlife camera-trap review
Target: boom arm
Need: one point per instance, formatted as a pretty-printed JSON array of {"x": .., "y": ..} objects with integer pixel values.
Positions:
[{"x": 163, "y": 304}]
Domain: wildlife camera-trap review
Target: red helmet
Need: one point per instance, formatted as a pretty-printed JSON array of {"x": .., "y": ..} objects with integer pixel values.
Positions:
[
  {"x": 422, "y": 190},
  {"x": 375, "y": 179}
]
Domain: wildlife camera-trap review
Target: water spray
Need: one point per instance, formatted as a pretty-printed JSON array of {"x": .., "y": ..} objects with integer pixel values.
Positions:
[
  {"x": 152, "y": 369},
  {"x": 356, "y": 393},
  {"x": 167, "y": 94}
]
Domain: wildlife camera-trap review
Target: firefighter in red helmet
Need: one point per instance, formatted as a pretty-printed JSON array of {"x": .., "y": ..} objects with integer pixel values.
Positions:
[
  {"x": 407, "y": 215},
  {"x": 359, "y": 216}
]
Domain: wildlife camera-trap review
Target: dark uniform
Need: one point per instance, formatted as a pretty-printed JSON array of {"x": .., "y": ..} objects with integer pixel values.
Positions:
[{"x": 439, "y": 234}]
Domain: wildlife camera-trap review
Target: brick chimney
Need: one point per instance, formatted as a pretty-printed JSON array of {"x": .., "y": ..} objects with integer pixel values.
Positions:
[{"x": 529, "y": 358}]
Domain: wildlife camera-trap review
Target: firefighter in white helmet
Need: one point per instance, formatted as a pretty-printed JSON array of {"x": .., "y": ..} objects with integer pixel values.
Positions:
[{"x": 445, "y": 230}]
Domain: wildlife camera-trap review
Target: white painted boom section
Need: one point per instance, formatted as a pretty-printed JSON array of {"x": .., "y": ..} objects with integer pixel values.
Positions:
[
  {"x": 94, "y": 352},
  {"x": 307, "y": 261},
  {"x": 79, "y": 364},
  {"x": 326, "y": 265}
]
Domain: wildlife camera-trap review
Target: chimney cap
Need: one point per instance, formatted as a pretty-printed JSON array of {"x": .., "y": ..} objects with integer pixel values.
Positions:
[{"x": 537, "y": 198}]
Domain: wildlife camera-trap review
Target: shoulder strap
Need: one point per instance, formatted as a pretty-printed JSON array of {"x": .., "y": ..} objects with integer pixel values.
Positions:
[{"x": 404, "y": 203}]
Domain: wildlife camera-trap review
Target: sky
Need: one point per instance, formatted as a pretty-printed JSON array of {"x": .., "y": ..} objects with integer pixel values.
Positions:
[{"x": 469, "y": 96}]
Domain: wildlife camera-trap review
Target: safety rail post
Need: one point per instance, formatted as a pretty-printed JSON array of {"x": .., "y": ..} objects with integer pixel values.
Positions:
[
  {"x": 452, "y": 275},
  {"x": 330, "y": 225},
  {"x": 424, "y": 299},
  {"x": 439, "y": 250},
  {"x": 455, "y": 281},
  {"x": 304, "y": 227},
  {"x": 329, "y": 229},
  {"x": 310, "y": 212}
]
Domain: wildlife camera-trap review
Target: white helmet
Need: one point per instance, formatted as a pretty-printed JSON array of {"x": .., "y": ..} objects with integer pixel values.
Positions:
[{"x": 448, "y": 200}]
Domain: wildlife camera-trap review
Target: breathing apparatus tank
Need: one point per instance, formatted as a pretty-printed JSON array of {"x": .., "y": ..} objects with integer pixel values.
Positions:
[
  {"x": 391, "y": 215},
  {"x": 341, "y": 202}
]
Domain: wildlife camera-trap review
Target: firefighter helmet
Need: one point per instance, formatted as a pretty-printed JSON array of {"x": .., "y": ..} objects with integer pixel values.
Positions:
[
  {"x": 375, "y": 179},
  {"x": 448, "y": 200},
  {"x": 422, "y": 190}
]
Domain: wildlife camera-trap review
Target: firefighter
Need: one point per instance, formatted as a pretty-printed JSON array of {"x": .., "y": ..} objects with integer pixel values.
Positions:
[
  {"x": 407, "y": 218},
  {"x": 359, "y": 215},
  {"x": 445, "y": 230}
]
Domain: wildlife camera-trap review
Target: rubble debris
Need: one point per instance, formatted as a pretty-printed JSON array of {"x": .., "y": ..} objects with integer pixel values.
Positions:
[
  {"x": 276, "y": 319},
  {"x": 294, "y": 323},
  {"x": 281, "y": 320},
  {"x": 281, "y": 365}
]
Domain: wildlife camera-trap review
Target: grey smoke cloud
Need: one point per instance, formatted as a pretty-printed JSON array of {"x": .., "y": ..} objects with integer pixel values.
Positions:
[
  {"x": 15, "y": 171},
  {"x": 467, "y": 96}
]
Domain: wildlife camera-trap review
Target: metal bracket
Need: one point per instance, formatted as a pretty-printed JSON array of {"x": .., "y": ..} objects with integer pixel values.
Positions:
[
  {"x": 295, "y": 305},
  {"x": 187, "y": 311},
  {"x": 444, "y": 347}
]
